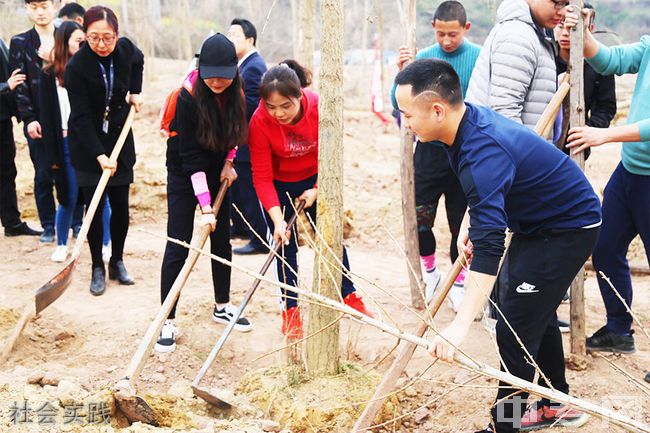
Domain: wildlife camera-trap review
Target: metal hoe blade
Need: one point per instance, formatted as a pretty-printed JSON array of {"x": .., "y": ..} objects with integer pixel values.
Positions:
[{"x": 219, "y": 402}]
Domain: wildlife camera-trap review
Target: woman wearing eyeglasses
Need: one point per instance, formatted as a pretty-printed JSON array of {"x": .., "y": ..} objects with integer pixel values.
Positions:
[{"x": 103, "y": 79}]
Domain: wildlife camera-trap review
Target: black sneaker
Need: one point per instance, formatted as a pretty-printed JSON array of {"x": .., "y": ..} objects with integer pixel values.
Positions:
[
  {"x": 167, "y": 341},
  {"x": 227, "y": 314},
  {"x": 48, "y": 235},
  {"x": 21, "y": 229},
  {"x": 607, "y": 341},
  {"x": 647, "y": 377},
  {"x": 564, "y": 326}
]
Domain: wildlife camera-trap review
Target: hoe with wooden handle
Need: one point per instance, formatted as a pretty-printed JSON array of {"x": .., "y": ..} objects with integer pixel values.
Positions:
[
  {"x": 56, "y": 286},
  {"x": 134, "y": 407},
  {"x": 202, "y": 392}
]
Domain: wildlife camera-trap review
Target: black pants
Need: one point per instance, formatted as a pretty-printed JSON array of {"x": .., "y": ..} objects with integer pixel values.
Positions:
[
  {"x": 43, "y": 183},
  {"x": 541, "y": 268},
  {"x": 181, "y": 209},
  {"x": 245, "y": 198},
  {"x": 433, "y": 179},
  {"x": 9, "y": 213},
  {"x": 119, "y": 198}
]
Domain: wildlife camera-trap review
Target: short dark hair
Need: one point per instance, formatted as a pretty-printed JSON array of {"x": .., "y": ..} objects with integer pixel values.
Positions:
[
  {"x": 72, "y": 11},
  {"x": 451, "y": 10},
  {"x": 432, "y": 75},
  {"x": 249, "y": 29},
  {"x": 36, "y": 1}
]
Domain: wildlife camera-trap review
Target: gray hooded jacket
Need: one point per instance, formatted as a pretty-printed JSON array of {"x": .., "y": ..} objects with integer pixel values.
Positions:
[{"x": 515, "y": 71}]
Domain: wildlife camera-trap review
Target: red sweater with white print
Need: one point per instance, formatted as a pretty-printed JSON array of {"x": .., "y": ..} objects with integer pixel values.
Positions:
[{"x": 287, "y": 153}]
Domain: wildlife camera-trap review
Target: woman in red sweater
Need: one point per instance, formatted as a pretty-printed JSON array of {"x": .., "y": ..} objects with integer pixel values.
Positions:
[{"x": 283, "y": 141}]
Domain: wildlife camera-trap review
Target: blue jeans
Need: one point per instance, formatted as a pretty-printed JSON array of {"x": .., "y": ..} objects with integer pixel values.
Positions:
[
  {"x": 106, "y": 222},
  {"x": 626, "y": 214},
  {"x": 289, "y": 252},
  {"x": 43, "y": 184},
  {"x": 64, "y": 214}
]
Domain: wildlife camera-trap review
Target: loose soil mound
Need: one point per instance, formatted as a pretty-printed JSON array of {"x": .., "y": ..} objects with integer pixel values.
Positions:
[{"x": 329, "y": 404}]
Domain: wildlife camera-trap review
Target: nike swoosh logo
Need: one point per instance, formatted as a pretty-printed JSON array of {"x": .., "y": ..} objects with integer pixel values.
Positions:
[{"x": 526, "y": 288}]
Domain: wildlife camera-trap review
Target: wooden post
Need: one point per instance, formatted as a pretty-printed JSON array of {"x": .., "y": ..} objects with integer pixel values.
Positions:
[
  {"x": 322, "y": 348},
  {"x": 577, "y": 118},
  {"x": 408, "y": 184}
]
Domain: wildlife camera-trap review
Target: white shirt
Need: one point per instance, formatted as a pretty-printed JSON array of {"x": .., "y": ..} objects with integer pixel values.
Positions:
[
  {"x": 247, "y": 55},
  {"x": 64, "y": 105}
]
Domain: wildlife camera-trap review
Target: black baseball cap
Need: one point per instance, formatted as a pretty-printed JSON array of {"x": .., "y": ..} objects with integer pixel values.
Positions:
[{"x": 218, "y": 58}]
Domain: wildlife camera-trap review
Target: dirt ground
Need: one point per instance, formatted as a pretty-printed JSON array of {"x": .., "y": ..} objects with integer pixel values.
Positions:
[{"x": 83, "y": 343}]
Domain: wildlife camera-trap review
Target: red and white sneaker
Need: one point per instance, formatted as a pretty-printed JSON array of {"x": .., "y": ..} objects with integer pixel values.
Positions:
[
  {"x": 538, "y": 417},
  {"x": 354, "y": 301},
  {"x": 292, "y": 323}
]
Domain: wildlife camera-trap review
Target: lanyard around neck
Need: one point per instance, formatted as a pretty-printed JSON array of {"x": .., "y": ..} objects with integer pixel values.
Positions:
[{"x": 108, "y": 85}]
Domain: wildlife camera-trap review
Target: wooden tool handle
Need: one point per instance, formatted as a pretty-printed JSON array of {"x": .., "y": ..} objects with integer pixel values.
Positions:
[
  {"x": 146, "y": 344},
  {"x": 103, "y": 181}
]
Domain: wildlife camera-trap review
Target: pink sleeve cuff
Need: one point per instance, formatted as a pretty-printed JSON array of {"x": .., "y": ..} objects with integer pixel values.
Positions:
[
  {"x": 232, "y": 154},
  {"x": 200, "y": 186},
  {"x": 204, "y": 199}
]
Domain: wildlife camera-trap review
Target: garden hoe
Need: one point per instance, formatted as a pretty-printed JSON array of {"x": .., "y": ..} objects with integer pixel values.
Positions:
[
  {"x": 134, "y": 407},
  {"x": 220, "y": 402},
  {"x": 54, "y": 288}
]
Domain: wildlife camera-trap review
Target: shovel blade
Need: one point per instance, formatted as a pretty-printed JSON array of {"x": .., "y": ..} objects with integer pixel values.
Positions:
[
  {"x": 53, "y": 289},
  {"x": 135, "y": 408},
  {"x": 219, "y": 402}
]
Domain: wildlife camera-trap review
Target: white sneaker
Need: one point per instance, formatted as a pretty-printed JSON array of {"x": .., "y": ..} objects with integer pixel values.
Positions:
[
  {"x": 106, "y": 253},
  {"x": 60, "y": 254},
  {"x": 431, "y": 279},
  {"x": 455, "y": 297},
  {"x": 167, "y": 341}
]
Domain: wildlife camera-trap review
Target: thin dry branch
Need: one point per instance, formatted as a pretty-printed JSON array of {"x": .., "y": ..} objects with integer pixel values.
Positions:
[{"x": 460, "y": 359}]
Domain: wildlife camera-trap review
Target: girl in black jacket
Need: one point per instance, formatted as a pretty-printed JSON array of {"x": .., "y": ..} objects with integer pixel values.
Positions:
[
  {"x": 210, "y": 123},
  {"x": 54, "y": 113},
  {"x": 98, "y": 79}
]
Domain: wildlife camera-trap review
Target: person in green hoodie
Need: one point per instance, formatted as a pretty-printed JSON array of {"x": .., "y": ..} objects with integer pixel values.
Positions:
[{"x": 626, "y": 201}]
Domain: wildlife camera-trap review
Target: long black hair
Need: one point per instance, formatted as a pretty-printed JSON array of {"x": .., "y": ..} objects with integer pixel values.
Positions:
[{"x": 221, "y": 118}]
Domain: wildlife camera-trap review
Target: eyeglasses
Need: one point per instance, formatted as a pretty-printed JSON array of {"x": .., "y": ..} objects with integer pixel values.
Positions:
[
  {"x": 559, "y": 4},
  {"x": 107, "y": 39}
]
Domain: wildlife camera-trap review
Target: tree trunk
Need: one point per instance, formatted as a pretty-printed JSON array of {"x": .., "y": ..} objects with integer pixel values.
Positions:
[
  {"x": 322, "y": 347},
  {"x": 361, "y": 89},
  {"x": 577, "y": 118},
  {"x": 295, "y": 28},
  {"x": 124, "y": 19},
  {"x": 408, "y": 184},
  {"x": 306, "y": 33},
  {"x": 186, "y": 51}
]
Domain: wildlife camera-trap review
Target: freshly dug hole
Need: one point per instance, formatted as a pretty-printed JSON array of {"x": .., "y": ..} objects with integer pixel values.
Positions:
[{"x": 324, "y": 404}]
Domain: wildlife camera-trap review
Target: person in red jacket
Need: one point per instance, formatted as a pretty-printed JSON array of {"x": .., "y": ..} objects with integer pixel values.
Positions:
[{"x": 283, "y": 142}]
